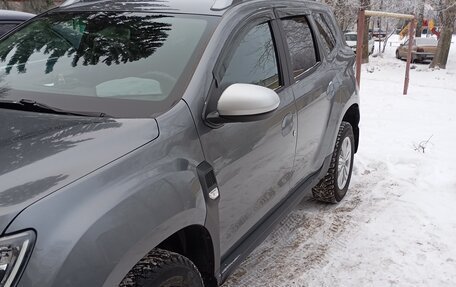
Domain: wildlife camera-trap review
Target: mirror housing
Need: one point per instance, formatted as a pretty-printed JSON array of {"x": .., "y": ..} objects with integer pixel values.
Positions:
[{"x": 245, "y": 103}]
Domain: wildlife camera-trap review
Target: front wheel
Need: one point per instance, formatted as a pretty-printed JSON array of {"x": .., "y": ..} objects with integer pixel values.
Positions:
[
  {"x": 333, "y": 187},
  {"x": 161, "y": 268}
]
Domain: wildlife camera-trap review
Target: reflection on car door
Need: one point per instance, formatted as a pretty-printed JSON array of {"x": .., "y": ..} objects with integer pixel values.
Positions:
[
  {"x": 311, "y": 81},
  {"x": 253, "y": 161}
]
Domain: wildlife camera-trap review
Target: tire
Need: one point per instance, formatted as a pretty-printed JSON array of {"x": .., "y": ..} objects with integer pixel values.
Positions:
[
  {"x": 397, "y": 55},
  {"x": 161, "y": 268},
  {"x": 333, "y": 188}
]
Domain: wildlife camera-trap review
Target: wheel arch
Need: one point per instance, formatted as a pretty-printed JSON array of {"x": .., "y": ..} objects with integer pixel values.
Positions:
[
  {"x": 195, "y": 243},
  {"x": 352, "y": 116}
]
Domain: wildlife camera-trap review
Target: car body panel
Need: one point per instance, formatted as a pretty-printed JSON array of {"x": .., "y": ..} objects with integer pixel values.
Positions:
[
  {"x": 40, "y": 153},
  {"x": 120, "y": 212},
  {"x": 422, "y": 49},
  {"x": 253, "y": 169}
]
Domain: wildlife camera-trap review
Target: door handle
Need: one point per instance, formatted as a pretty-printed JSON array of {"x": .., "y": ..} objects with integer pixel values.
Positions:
[{"x": 287, "y": 124}]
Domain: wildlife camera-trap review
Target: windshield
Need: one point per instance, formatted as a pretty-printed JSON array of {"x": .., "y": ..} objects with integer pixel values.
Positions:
[
  {"x": 102, "y": 62},
  {"x": 351, "y": 37}
]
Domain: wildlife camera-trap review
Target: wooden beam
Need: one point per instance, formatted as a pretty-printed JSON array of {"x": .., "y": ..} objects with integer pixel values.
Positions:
[
  {"x": 409, "y": 56},
  {"x": 359, "y": 45},
  {"x": 391, "y": 15}
]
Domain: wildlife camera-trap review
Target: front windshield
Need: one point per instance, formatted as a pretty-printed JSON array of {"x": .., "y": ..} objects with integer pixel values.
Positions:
[{"x": 99, "y": 56}]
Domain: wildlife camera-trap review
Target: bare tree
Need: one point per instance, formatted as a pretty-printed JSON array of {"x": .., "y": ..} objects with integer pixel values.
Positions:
[
  {"x": 448, "y": 18},
  {"x": 419, "y": 26},
  {"x": 33, "y": 6},
  {"x": 366, "y": 4}
]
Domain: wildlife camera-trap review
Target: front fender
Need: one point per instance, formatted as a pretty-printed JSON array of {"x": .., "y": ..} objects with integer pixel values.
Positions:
[{"x": 91, "y": 232}]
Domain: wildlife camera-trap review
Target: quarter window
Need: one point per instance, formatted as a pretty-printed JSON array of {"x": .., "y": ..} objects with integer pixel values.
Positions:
[
  {"x": 254, "y": 60},
  {"x": 300, "y": 44},
  {"x": 327, "y": 35}
]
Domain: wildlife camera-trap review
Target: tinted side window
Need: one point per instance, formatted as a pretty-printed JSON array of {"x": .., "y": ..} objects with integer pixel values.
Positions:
[
  {"x": 329, "y": 40},
  {"x": 254, "y": 60},
  {"x": 300, "y": 43}
]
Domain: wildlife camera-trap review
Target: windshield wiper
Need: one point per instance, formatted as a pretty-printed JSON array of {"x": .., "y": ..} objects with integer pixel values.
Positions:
[{"x": 33, "y": 106}]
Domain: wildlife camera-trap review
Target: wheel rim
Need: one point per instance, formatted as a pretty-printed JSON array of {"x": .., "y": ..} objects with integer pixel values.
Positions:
[{"x": 344, "y": 164}]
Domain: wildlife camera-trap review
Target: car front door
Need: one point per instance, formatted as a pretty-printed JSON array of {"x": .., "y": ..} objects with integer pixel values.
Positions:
[{"x": 253, "y": 161}]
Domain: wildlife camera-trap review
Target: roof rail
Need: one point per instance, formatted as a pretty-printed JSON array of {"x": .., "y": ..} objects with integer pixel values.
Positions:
[{"x": 224, "y": 4}]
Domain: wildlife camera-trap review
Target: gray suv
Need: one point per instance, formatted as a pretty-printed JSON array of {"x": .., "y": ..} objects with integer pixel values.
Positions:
[{"x": 157, "y": 143}]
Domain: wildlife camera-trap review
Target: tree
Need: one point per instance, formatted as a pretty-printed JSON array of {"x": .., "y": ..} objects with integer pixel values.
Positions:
[
  {"x": 419, "y": 26},
  {"x": 33, "y": 6},
  {"x": 366, "y": 4},
  {"x": 448, "y": 18}
]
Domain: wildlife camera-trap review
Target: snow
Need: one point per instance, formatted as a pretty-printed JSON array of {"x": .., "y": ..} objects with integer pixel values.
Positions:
[{"x": 397, "y": 224}]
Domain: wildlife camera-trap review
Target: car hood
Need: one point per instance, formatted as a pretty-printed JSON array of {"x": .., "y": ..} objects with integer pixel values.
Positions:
[{"x": 41, "y": 153}]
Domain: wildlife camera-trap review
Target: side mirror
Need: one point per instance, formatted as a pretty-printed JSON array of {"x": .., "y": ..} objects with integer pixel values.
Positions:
[{"x": 245, "y": 103}]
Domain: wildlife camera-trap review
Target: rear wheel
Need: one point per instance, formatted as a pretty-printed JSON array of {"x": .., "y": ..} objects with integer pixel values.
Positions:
[
  {"x": 161, "y": 268},
  {"x": 333, "y": 187},
  {"x": 397, "y": 55}
]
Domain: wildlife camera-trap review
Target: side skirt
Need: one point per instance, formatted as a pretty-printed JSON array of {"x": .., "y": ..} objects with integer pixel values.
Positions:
[{"x": 259, "y": 233}]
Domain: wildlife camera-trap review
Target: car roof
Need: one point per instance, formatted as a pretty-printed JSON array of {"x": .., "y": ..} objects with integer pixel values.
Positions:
[
  {"x": 8, "y": 15},
  {"x": 201, "y": 7}
]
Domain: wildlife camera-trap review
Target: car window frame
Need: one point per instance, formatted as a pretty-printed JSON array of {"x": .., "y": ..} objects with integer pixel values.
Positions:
[
  {"x": 215, "y": 91},
  {"x": 282, "y": 13},
  {"x": 237, "y": 35},
  {"x": 330, "y": 56}
]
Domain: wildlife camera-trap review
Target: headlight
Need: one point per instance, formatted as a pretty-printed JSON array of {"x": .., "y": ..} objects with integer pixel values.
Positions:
[{"x": 15, "y": 251}]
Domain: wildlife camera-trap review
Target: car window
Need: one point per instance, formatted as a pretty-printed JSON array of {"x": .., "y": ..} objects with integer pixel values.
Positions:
[
  {"x": 327, "y": 35},
  {"x": 300, "y": 44},
  {"x": 351, "y": 37},
  {"x": 254, "y": 60},
  {"x": 4, "y": 28}
]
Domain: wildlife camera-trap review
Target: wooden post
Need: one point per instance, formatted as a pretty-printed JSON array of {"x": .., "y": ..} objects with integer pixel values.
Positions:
[
  {"x": 409, "y": 56},
  {"x": 359, "y": 45},
  {"x": 361, "y": 18}
]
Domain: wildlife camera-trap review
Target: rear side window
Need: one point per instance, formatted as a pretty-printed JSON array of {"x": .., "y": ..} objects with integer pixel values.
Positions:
[
  {"x": 254, "y": 60},
  {"x": 327, "y": 35},
  {"x": 301, "y": 44}
]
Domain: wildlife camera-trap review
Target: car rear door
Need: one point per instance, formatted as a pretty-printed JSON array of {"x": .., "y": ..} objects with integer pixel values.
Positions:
[
  {"x": 253, "y": 161},
  {"x": 312, "y": 86}
]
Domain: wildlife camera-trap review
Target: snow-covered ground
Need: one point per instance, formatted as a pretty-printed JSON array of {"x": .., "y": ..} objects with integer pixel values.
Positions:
[{"x": 397, "y": 224}]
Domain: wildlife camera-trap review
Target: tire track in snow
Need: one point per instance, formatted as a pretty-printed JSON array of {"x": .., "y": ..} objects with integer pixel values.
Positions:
[{"x": 310, "y": 237}]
